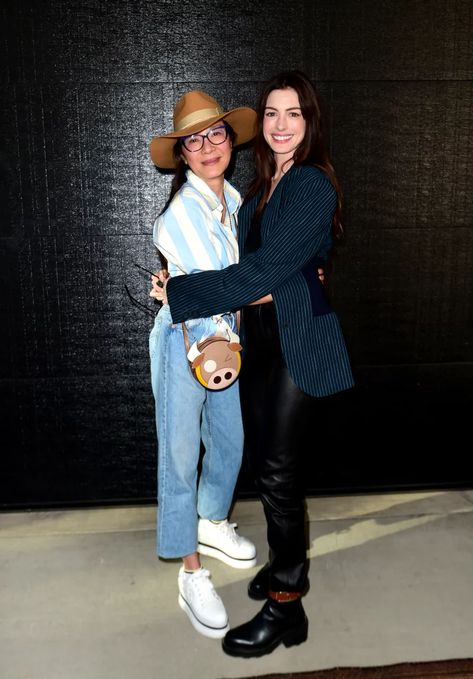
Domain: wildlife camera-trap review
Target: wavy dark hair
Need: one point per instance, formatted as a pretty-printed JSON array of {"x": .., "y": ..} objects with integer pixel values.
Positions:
[{"x": 311, "y": 151}]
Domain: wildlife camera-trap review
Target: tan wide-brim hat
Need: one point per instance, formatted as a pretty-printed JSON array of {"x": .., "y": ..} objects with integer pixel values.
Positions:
[{"x": 196, "y": 111}]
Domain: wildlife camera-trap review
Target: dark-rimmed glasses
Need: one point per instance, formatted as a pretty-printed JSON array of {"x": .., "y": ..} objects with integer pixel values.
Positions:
[
  {"x": 216, "y": 136},
  {"x": 144, "y": 307}
]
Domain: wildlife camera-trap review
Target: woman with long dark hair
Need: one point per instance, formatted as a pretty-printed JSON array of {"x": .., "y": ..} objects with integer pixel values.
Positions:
[{"x": 294, "y": 352}]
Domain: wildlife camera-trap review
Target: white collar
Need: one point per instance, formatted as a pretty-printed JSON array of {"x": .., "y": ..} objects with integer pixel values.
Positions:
[{"x": 232, "y": 196}]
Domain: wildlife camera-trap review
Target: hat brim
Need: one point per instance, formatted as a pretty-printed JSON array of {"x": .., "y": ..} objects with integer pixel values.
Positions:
[{"x": 242, "y": 121}]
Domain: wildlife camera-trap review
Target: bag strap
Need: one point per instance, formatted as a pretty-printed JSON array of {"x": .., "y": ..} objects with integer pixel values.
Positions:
[{"x": 186, "y": 334}]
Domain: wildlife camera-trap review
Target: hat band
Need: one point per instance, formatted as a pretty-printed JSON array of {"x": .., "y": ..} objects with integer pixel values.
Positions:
[{"x": 197, "y": 116}]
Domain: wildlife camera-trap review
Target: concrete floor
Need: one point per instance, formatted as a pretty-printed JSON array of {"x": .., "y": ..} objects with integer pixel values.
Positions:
[{"x": 82, "y": 594}]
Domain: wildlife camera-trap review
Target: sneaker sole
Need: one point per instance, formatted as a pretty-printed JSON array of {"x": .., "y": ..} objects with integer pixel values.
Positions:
[
  {"x": 221, "y": 556},
  {"x": 205, "y": 630}
]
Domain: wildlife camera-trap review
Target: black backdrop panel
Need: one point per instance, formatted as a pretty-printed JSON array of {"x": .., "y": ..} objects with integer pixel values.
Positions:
[{"x": 86, "y": 84}]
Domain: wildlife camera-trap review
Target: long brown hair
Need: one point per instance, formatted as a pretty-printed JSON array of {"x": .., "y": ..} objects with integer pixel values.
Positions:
[{"x": 311, "y": 151}]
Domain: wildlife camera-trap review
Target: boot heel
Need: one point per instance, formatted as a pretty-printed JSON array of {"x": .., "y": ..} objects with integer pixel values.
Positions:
[{"x": 296, "y": 636}]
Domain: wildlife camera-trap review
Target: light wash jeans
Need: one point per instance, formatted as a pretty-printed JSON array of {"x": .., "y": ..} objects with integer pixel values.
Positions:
[{"x": 186, "y": 412}]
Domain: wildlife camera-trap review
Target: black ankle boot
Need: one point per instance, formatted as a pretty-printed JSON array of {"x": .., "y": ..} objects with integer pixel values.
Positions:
[
  {"x": 258, "y": 588},
  {"x": 276, "y": 623}
]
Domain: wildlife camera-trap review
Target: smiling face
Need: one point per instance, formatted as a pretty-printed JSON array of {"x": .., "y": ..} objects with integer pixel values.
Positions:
[
  {"x": 283, "y": 124},
  {"x": 212, "y": 160}
]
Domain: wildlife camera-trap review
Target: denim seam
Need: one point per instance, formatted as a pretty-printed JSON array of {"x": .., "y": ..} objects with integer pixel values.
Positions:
[
  {"x": 164, "y": 429},
  {"x": 206, "y": 413}
]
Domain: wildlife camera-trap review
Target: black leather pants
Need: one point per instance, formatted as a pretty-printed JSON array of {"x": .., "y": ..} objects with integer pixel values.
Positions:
[{"x": 276, "y": 415}]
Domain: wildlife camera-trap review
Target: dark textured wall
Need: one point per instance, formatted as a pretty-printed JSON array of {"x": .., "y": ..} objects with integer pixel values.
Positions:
[{"x": 86, "y": 84}]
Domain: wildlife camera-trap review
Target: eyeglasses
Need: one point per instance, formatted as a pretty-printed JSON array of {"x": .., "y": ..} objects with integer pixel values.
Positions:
[
  {"x": 216, "y": 136},
  {"x": 143, "y": 307}
]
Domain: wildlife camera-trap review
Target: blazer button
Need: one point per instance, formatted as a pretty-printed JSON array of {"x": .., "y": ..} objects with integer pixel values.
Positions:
[{"x": 286, "y": 324}]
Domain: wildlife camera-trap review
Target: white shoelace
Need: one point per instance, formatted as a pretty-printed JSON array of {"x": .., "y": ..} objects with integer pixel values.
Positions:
[
  {"x": 201, "y": 585},
  {"x": 229, "y": 530}
]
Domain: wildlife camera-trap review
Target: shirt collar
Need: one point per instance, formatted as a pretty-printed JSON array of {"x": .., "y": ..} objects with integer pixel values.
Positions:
[{"x": 232, "y": 196}]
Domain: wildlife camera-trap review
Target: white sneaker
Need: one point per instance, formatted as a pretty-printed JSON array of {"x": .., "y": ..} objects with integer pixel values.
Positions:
[
  {"x": 221, "y": 541},
  {"x": 203, "y": 606}
]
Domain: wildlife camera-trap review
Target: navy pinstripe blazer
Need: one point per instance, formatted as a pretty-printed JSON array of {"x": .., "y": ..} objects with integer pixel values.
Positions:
[{"x": 295, "y": 234}]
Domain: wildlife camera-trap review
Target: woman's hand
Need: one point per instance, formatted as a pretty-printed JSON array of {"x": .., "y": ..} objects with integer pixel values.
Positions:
[
  {"x": 159, "y": 283},
  {"x": 269, "y": 297},
  {"x": 262, "y": 300}
]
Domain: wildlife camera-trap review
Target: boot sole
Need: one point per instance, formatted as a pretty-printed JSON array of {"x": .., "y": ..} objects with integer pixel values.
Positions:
[
  {"x": 221, "y": 556},
  {"x": 293, "y": 637},
  {"x": 205, "y": 630}
]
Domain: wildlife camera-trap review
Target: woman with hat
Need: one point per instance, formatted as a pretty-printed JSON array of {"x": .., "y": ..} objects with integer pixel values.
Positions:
[
  {"x": 295, "y": 353},
  {"x": 197, "y": 231}
]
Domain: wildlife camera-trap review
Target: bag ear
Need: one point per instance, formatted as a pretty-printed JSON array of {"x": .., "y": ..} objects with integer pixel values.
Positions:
[{"x": 234, "y": 346}]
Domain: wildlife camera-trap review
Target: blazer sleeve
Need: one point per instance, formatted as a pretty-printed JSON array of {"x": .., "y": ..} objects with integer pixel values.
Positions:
[{"x": 296, "y": 236}]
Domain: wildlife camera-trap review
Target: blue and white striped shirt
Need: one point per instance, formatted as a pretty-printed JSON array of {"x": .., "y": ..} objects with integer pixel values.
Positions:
[{"x": 190, "y": 233}]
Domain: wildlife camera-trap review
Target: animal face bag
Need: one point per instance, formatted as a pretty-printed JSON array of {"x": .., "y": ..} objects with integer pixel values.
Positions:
[{"x": 215, "y": 361}]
